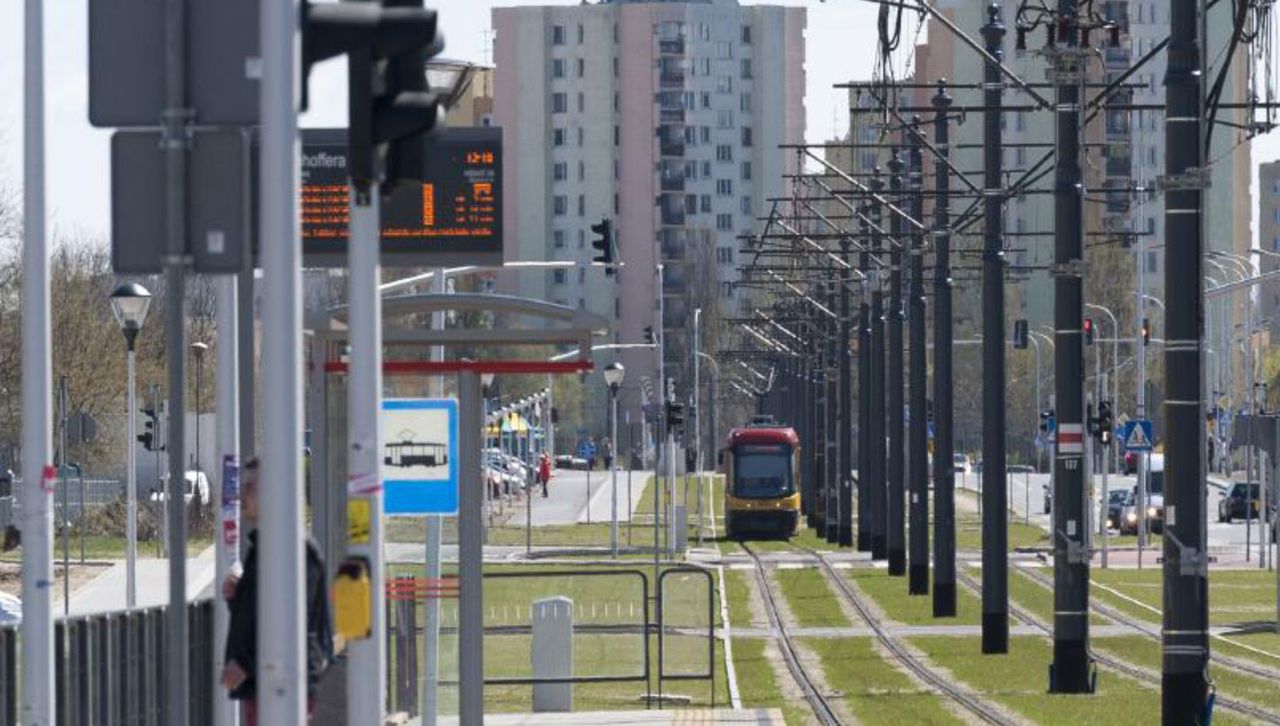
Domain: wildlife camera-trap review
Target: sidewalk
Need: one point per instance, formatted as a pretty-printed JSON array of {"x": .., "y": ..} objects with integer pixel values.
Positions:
[{"x": 106, "y": 592}]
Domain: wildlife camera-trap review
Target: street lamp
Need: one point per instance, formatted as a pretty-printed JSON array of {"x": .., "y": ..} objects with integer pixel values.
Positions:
[
  {"x": 613, "y": 375},
  {"x": 198, "y": 349},
  {"x": 130, "y": 303}
]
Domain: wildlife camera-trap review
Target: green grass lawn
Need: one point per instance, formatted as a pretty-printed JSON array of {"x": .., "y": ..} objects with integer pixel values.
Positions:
[
  {"x": 1236, "y": 597},
  {"x": 758, "y": 684},
  {"x": 812, "y": 602},
  {"x": 1019, "y": 681},
  {"x": 738, "y": 593},
  {"x": 1035, "y": 598},
  {"x": 890, "y": 593},
  {"x": 1145, "y": 652},
  {"x": 969, "y": 529},
  {"x": 874, "y": 691},
  {"x": 102, "y": 547}
]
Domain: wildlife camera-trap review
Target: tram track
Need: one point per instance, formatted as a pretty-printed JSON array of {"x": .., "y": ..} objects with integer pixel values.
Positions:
[
  {"x": 984, "y": 711},
  {"x": 822, "y": 708},
  {"x": 1137, "y": 673}
]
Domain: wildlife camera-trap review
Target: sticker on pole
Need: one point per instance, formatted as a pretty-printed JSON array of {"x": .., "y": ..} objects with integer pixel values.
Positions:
[
  {"x": 1070, "y": 438},
  {"x": 1137, "y": 435},
  {"x": 420, "y": 455}
]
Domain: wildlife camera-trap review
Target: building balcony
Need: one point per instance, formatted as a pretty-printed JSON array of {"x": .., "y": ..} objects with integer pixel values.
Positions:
[
  {"x": 671, "y": 47},
  {"x": 671, "y": 148},
  {"x": 671, "y": 115},
  {"x": 672, "y": 217},
  {"x": 669, "y": 79},
  {"x": 672, "y": 182}
]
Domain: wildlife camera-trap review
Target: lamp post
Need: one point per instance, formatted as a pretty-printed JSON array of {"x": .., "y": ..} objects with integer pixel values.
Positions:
[
  {"x": 198, "y": 349},
  {"x": 613, "y": 375},
  {"x": 130, "y": 303}
]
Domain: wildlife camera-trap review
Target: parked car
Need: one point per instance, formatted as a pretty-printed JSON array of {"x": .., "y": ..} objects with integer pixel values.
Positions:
[
  {"x": 961, "y": 463},
  {"x": 1019, "y": 469},
  {"x": 195, "y": 481},
  {"x": 568, "y": 461},
  {"x": 1241, "y": 501}
]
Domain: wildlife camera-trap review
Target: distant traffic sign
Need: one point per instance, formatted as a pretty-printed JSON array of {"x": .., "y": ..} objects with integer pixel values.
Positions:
[
  {"x": 1137, "y": 435},
  {"x": 420, "y": 455}
]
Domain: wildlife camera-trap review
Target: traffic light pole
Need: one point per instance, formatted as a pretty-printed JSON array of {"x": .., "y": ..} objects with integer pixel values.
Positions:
[
  {"x": 366, "y": 668},
  {"x": 918, "y": 446},
  {"x": 281, "y": 672},
  {"x": 995, "y": 526},
  {"x": 944, "y": 478},
  {"x": 225, "y": 498},
  {"x": 876, "y": 482},
  {"x": 1070, "y": 673},
  {"x": 38, "y": 703},
  {"x": 896, "y": 535},
  {"x": 1184, "y": 688}
]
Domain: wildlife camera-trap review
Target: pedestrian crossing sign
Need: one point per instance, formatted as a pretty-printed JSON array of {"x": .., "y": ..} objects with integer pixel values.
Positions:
[{"x": 1137, "y": 435}]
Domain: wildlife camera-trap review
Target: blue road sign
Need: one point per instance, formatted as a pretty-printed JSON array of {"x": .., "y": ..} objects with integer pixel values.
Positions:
[
  {"x": 1051, "y": 423},
  {"x": 1137, "y": 435},
  {"x": 420, "y": 456}
]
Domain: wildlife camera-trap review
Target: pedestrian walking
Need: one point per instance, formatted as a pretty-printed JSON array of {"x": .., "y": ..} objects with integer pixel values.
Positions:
[
  {"x": 241, "y": 592},
  {"x": 544, "y": 472},
  {"x": 606, "y": 450}
]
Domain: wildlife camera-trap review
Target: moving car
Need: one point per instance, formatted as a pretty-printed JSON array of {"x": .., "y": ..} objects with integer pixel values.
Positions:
[
  {"x": 1116, "y": 501},
  {"x": 195, "y": 481},
  {"x": 1238, "y": 498},
  {"x": 1154, "y": 514}
]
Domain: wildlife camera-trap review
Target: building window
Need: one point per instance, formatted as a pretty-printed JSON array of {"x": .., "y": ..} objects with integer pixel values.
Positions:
[
  {"x": 724, "y": 51},
  {"x": 559, "y": 276},
  {"x": 746, "y": 68},
  {"x": 691, "y": 204},
  {"x": 726, "y": 289},
  {"x": 582, "y": 205},
  {"x": 706, "y": 100},
  {"x": 557, "y": 238},
  {"x": 706, "y": 169},
  {"x": 1152, "y": 262},
  {"x": 706, "y": 203},
  {"x": 746, "y": 35},
  {"x": 616, "y": 205},
  {"x": 582, "y": 102},
  {"x": 724, "y": 152},
  {"x": 557, "y": 137},
  {"x": 724, "y": 119},
  {"x": 724, "y": 255},
  {"x": 580, "y": 136},
  {"x": 617, "y": 169},
  {"x": 580, "y": 34},
  {"x": 557, "y": 68},
  {"x": 617, "y": 135},
  {"x": 746, "y": 206},
  {"x": 1275, "y": 187},
  {"x": 706, "y": 134},
  {"x": 617, "y": 102},
  {"x": 746, "y": 136},
  {"x": 582, "y": 239},
  {"x": 1275, "y": 245},
  {"x": 744, "y": 103},
  {"x": 559, "y": 205},
  {"x": 582, "y": 171},
  {"x": 582, "y": 275},
  {"x": 559, "y": 103},
  {"x": 724, "y": 84},
  {"x": 560, "y": 171},
  {"x": 724, "y": 188},
  {"x": 746, "y": 170},
  {"x": 617, "y": 69},
  {"x": 557, "y": 35},
  {"x": 724, "y": 222},
  {"x": 581, "y": 67}
]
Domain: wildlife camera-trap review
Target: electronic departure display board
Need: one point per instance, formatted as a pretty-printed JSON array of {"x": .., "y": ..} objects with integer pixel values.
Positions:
[{"x": 454, "y": 217}]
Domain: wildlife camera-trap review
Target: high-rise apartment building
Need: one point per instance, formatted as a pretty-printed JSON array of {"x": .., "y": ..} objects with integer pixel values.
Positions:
[
  {"x": 1269, "y": 238},
  {"x": 666, "y": 117}
]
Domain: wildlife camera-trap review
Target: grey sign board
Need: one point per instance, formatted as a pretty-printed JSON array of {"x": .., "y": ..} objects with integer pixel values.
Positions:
[
  {"x": 1255, "y": 430},
  {"x": 218, "y": 201},
  {"x": 127, "y": 62}
]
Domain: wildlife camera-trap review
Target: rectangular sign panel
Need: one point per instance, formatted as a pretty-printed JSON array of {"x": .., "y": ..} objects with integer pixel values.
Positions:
[
  {"x": 454, "y": 217},
  {"x": 420, "y": 455}
]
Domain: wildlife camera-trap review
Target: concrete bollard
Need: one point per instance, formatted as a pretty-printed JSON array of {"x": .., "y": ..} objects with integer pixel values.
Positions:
[
  {"x": 682, "y": 527},
  {"x": 553, "y": 653}
]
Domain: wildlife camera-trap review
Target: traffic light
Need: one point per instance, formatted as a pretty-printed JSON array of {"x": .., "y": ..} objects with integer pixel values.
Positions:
[
  {"x": 675, "y": 415},
  {"x": 1146, "y": 331},
  {"x": 1088, "y": 331},
  {"x": 648, "y": 334},
  {"x": 148, "y": 437},
  {"x": 1105, "y": 424},
  {"x": 603, "y": 244},
  {"x": 388, "y": 44},
  {"x": 1021, "y": 333}
]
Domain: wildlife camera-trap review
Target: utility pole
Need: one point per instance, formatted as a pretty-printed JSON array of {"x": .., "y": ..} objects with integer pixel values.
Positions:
[
  {"x": 1184, "y": 687},
  {"x": 877, "y": 482},
  {"x": 225, "y": 500},
  {"x": 176, "y": 142},
  {"x": 281, "y": 681},
  {"x": 845, "y": 427},
  {"x": 896, "y": 536},
  {"x": 38, "y": 701},
  {"x": 864, "y": 394},
  {"x": 944, "y": 478},
  {"x": 1070, "y": 673},
  {"x": 918, "y": 445},
  {"x": 836, "y": 403},
  {"x": 995, "y": 527}
]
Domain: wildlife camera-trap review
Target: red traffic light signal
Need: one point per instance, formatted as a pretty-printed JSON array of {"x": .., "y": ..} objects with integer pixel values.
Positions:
[
  {"x": 1146, "y": 331},
  {"x": 1088, "y": 331}
]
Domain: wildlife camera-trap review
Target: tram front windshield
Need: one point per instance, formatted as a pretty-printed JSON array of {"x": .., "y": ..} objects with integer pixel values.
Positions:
[{"x": 762, "y": 471}]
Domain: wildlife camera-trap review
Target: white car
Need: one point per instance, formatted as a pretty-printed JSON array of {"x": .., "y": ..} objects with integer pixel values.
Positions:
[
  {"x": 961, "y": 464},
  {"x": 195, "y": 481}
]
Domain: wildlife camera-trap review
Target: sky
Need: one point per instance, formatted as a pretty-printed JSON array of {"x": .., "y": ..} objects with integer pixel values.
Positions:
[{"x": 840, "y": 39}]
